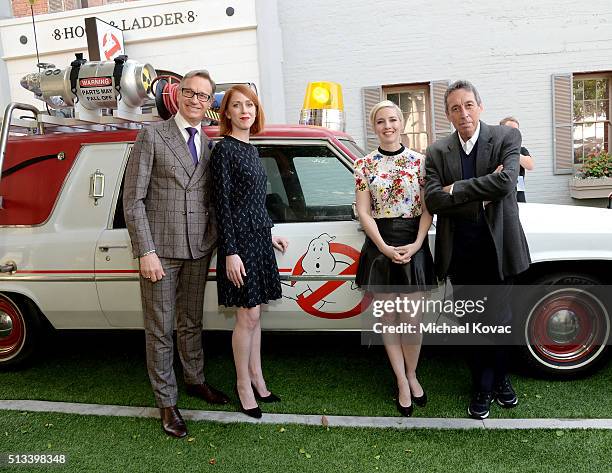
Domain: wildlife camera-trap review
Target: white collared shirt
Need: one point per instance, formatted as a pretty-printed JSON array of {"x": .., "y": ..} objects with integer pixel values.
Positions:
[
  {"x": 182, "y": 125},
  {"x": 468, "y": 145}
]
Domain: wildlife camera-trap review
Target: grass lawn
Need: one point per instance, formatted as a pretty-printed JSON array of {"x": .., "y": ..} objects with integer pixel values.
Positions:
[
  {"x": 138, "y": 445},
  {"x": 318, "y": 373}
]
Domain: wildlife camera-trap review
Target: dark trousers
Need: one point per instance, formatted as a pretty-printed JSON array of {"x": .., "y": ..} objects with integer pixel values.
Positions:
[{"x": 474, "y": 276}]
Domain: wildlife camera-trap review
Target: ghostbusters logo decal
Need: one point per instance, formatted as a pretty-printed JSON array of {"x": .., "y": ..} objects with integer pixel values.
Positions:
[{"x": 331, "y": 299}]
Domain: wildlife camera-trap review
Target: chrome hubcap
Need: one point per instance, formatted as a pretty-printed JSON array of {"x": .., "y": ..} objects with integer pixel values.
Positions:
[
  {"x": 563, "y": 327},
  {"x": 6, "y": 325}
]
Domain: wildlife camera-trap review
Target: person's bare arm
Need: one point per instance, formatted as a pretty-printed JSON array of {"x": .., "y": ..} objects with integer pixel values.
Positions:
[{"x": 527, "y": 162}]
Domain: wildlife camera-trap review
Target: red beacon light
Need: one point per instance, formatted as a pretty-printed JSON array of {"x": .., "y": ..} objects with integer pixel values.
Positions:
[{"x": 323, "y": 106}]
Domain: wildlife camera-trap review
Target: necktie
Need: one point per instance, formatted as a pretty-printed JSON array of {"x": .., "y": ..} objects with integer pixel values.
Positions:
[{"x": 191, "y": 144}]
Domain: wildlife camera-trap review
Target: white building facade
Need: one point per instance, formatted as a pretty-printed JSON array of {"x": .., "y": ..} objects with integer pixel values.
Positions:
[
  {"x": 405, "y": 51},
  {"x": 174, "y": 35}
]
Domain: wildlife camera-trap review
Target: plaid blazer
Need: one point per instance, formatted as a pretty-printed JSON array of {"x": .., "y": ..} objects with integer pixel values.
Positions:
[{"x": 166, "y": 197}]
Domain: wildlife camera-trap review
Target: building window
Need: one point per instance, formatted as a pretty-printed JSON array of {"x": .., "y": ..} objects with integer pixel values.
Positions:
[
  {"x": 422, "y": 105},
  {"x": 56, "y": 6},
  {"x": 22, "y": 7},
  {"x": 414, "y": 101},
  {"x": 591, "y": 114}
]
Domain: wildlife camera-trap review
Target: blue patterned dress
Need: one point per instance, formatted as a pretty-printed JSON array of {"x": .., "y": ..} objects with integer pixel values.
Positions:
[{"x": 239, "y": 181}]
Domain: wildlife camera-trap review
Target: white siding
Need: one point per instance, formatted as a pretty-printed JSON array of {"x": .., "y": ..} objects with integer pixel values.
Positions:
[{"x": 509, "y": 52}]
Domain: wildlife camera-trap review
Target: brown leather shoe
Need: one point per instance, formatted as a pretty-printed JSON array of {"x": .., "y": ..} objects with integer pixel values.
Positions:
[
  {"x": 207, "y": 392},
  {"x": 172, "y": 422}
]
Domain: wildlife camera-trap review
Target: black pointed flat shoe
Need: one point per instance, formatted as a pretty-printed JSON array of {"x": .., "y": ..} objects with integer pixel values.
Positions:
[{"x": 269, "y": 398}]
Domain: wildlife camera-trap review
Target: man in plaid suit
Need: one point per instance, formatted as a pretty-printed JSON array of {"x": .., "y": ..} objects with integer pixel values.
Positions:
[{"x": 170, "y": 219}]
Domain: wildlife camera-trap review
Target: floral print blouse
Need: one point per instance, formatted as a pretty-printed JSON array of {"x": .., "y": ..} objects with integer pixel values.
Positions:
[{"x": 394, "y": 180}]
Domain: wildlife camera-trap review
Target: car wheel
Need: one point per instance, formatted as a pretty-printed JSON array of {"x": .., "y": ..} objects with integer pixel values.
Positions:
[
  {"x": 19, "y": 330},
  {"x": 566, "y": 329}
]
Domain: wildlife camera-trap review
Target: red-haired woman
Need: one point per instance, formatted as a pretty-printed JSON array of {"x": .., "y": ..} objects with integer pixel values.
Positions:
[{"x": 247, "y": 274}]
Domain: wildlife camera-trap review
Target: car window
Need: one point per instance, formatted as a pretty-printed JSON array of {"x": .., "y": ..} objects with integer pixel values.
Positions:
[
  {"x": 275, "y": 181},
  {"x": 118, "y": 217},
  {"x": 325, "y": 181},
  {"x": 306, "y": 183}
]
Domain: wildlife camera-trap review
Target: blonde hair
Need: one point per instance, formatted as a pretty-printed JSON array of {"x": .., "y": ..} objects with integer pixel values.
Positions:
[
  {"x": 385, "y": 104},
  {"x": 203, "y": 73}
]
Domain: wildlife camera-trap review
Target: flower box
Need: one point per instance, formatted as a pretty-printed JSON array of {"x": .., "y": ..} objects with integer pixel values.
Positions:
[
  {"x": 594, "y": 179},
  {"x": 590, "y": 187}
]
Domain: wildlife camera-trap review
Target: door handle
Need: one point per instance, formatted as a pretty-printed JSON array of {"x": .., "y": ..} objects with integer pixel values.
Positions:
[
  {"x": 105, "y": 248},
  {"x": 8, "y": 267}
]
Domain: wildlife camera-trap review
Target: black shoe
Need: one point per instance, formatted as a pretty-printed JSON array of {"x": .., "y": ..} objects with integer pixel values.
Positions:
[
  {"x": 254, "y": 412},
  {"x": 269, "y": 398},
  {"x": 403, "y": 410},
  {"x": 505, "y": 395},
  {"x": 480, "y": 405},
  {"x": 420, "y": 401}
]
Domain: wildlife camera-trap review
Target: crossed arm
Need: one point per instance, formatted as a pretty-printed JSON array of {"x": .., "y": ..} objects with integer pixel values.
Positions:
[{"x": 468, "y": 194}]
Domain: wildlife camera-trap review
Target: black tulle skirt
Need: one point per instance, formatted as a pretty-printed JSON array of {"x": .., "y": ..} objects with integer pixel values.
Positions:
[{"x": 377, "y": 273}]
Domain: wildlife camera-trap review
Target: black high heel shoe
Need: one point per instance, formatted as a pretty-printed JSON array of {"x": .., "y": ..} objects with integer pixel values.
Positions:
[
  {"x": 269, "y": 398},
  {"x": 255, "y": 412},
  {"x": 403, "y": 410},
  {"x": 421, "y": 400}
]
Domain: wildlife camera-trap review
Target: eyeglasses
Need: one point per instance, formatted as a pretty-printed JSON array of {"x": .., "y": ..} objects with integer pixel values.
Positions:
[{"x": 202, "y": 96}]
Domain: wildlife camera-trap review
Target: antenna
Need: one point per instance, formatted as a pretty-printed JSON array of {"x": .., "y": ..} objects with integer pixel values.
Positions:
[{"x": 32, "y": 2}]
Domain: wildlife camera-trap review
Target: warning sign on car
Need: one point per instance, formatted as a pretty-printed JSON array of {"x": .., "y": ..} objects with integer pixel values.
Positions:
[
  {"x": 96, "y": 82},
  {"x": 97, "y": 92}
]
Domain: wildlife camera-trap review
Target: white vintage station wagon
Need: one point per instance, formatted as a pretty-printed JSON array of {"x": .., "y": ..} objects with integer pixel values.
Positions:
[{"x": 66, "y": 259}]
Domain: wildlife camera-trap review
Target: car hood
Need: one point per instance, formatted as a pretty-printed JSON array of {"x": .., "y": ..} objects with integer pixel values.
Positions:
[{"x": 566, "y": 232}]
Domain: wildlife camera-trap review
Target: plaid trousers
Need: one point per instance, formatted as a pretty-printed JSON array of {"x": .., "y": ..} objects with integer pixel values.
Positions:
[{"x": 179, "y": 296}]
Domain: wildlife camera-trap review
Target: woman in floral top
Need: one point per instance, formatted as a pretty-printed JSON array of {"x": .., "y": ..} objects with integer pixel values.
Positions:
[{"x": 395, "y": 259}]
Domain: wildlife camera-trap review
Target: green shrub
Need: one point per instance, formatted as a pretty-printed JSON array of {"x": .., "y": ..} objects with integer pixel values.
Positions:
[{"x": 596, "y": 165}]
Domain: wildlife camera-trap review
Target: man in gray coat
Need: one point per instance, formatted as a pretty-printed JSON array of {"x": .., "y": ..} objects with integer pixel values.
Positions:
[
  {"x": 170, "y": 219},
  {"x": 480, "y": 245}
]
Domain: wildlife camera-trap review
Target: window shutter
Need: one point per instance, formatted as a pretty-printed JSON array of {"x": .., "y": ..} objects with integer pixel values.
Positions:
[
  {"x": 563, "y": 150},
  {"x": 371, "y": 96},
  {"x": 440, "y": 125}
]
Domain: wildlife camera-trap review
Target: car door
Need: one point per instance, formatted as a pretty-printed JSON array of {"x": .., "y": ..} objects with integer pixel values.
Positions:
[
  {"x": 309, "y": 198},
  {"x": 116, "y": 270}
]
